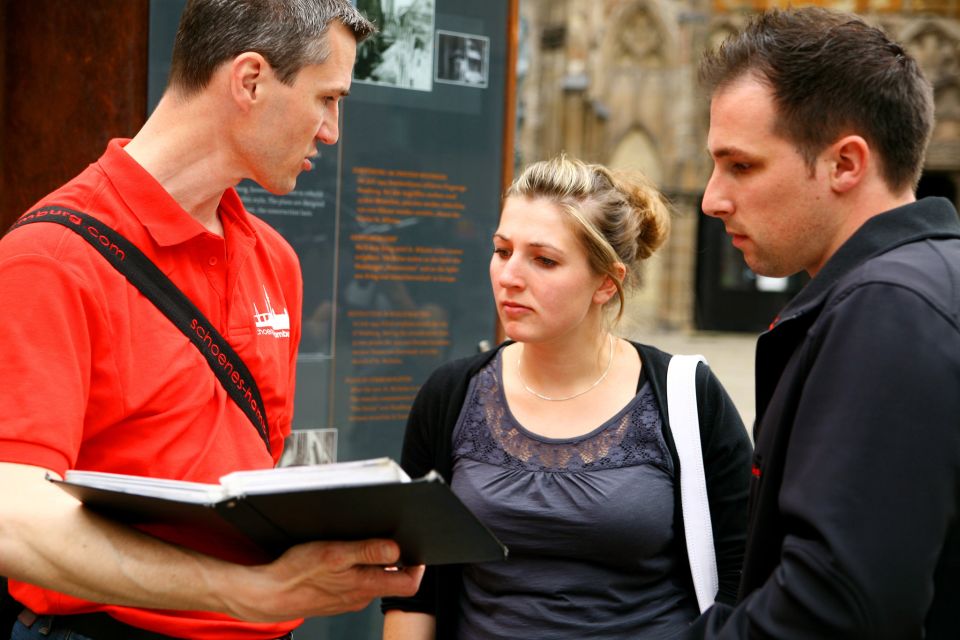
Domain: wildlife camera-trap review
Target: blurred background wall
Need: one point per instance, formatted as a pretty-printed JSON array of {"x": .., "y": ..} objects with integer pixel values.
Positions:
[{"x": 612, "y": 81}]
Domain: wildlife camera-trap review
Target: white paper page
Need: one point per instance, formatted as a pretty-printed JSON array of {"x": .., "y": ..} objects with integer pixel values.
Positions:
[
  {"x": 359, "y": 472},
  {"x": 180, "y": 490}
]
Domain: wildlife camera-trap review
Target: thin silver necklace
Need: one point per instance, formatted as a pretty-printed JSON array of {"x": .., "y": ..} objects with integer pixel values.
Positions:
[{"x": 576, "y": 395}]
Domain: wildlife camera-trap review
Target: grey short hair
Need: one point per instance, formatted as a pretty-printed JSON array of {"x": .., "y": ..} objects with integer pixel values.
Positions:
[{"x": 288, "y": 33}]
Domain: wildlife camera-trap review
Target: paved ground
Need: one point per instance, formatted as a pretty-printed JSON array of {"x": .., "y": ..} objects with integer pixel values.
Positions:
[{"x": 730, "y": 356}]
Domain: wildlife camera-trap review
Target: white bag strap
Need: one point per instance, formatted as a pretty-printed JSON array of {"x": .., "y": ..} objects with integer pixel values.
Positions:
[{"x": 685, "y": 425}]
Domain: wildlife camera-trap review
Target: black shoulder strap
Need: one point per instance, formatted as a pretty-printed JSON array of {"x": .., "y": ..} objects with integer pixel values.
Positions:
[{"x": 157, "y": 287}]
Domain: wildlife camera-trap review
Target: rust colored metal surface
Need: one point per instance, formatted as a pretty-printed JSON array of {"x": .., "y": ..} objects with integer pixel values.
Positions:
[{"x": 72, "y": 76}]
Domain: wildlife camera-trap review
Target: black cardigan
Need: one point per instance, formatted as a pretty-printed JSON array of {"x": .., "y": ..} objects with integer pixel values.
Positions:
[{"x": 726, "y": 456}]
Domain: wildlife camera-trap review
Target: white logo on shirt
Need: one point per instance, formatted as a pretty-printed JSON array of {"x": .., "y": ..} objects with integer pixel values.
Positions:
[{"x": 269, "y": 322}]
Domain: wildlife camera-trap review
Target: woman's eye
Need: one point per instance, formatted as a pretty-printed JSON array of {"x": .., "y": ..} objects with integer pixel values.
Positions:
[{"x": 547, "y": 262}]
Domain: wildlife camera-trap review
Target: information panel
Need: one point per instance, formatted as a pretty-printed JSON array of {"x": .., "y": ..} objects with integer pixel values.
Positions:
[
  {"x": 393, "y": 225},
  {"x": 421, "y": 181}
]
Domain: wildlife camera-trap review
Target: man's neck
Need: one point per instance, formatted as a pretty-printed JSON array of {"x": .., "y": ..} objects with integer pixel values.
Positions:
[
  {"x": 182, "y": 147},
  {"x": 870, "y": 203},
  {"x": 856, "y": 207}
]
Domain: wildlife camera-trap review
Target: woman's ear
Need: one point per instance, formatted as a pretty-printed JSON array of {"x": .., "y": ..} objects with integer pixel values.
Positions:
[{"x": 608, "y": 288}]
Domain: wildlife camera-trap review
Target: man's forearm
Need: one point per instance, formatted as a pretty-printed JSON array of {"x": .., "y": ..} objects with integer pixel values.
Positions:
[{"x": 48, "y": 539}]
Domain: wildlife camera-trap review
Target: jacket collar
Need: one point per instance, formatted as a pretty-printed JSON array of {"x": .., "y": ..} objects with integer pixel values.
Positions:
[{"x": 925, "y": 219}]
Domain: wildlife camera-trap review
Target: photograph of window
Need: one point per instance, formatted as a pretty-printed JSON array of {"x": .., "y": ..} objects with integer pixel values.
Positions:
[{"x": 462, "y": 59}]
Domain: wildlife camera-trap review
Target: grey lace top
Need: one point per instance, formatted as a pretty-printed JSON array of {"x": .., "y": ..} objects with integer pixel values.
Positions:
[{"x": 588, "y": 520}]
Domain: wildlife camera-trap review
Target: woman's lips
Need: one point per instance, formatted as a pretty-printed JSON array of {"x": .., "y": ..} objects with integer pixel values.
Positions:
[{"x": 513, "y": 309}]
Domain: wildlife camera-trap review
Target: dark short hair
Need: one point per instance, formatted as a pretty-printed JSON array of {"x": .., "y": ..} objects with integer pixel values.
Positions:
[
  {"x": 830, "y": 73},
  {"x": 288, "y": 33}
]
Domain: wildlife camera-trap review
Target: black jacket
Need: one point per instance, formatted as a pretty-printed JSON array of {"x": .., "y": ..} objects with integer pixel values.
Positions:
[
  {"x": 726, "y": 453},
  {"x": 856, "y": 489}
]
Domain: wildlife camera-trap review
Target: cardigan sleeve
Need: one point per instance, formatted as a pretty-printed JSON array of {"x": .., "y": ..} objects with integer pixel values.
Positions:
[
  {"x": 426, "y": 447},
  {"x": 424, "y": 423},
  {"x": 418, "y": 457},
  {"x": 727, "y": 452}
]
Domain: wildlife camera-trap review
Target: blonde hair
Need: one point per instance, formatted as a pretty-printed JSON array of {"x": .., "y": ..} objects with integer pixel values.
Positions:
[{"x": 619, "y": 217}]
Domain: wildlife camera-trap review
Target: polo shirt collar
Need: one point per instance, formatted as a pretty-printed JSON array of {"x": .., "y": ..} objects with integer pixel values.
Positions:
[{"x": 163, "y": 217}]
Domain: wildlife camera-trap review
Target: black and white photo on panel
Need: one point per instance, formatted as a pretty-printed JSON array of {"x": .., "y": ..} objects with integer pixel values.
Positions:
[
  {"x": 463, "y": 58},
  {"x": 400, "y": 54}
]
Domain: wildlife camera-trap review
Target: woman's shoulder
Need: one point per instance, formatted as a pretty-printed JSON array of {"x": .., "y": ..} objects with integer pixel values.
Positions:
[
  {"x": 651, "y": 352},
  {"x": 654, "y": 360}
]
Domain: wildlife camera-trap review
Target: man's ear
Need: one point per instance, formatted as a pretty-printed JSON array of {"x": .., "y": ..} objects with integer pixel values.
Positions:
[
  {"x": 849, "y": 161},
  {"x": 248, "y": 72}
]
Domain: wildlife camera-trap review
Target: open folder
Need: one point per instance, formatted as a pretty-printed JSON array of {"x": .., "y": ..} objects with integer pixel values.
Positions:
[{"x": 278, "y": 508}]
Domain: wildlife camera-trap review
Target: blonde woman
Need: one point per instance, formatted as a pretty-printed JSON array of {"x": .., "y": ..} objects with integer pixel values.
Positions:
[{"x": 557, "y": 439}]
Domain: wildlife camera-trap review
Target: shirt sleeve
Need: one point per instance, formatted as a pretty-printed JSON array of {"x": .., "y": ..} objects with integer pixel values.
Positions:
[{"x": 45, "y": 360}]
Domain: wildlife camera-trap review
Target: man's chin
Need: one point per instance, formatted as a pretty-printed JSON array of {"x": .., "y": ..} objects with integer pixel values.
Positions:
[
  {"x": 767, "y": 270},
  {"x": 758, "y": 267},
  {"x": 280, "y": 189}
]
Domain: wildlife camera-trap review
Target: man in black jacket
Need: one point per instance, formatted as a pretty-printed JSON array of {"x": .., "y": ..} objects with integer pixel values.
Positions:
[{"x": 818, "y": 129}]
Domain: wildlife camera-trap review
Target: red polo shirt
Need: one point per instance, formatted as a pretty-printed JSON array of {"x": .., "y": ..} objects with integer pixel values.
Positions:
[{"x": 95, "y": 377}]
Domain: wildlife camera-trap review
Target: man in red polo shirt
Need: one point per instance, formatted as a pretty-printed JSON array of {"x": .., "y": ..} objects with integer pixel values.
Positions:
[{"x": 96, "y": 378}]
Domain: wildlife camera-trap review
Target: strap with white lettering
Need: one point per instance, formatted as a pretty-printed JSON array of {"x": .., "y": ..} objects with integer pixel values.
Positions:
[{"x": 126, "y": 258}]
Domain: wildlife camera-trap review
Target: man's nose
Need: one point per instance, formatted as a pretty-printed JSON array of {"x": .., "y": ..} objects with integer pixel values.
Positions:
[
  {"x": 329, "y": 131},
  {"x": 715, "y": 202}
]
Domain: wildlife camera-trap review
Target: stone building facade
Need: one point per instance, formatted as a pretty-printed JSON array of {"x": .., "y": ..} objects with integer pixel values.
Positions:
[{"x": 614, "y": 81}]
